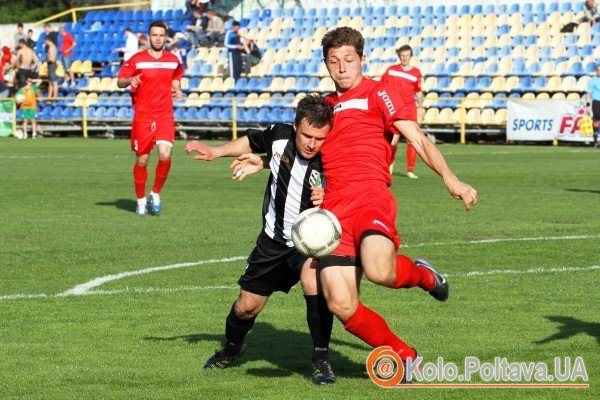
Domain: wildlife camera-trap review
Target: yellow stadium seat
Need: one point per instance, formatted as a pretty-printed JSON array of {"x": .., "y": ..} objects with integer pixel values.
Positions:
[
  {"x": 516, "y": 29},
  {"x": 456, "y": 84},
  {"x": 446, "y": 116},
  {"x": 470, "y": 100},
  {"x": 473, "y": 115},
  {"x": 432, "y": 116},
  {"x": 86, "y": 67},
  {"x": 91, "y": 99},
  {"x": 582, "y": 84},
  {"x": 76, "y": 67},
  {"x": 559, "y": 96},
  {"x": 251, "y": 100},
  {"x": 542, "y": 96},
  {"x": 216, "y": 85},
  {"x": 276, "y": 85},
  {"x": 326, "y": 85},
  {"x": 486, "y": 116},
  {"x": 204, "y": 85},
  {"x": 80, "y": 99},
  {"x": 560, "y": 68},
  {"x": 553, "y": 84},
  {"x": 528, "y": 96},
  {"x": 515, "y": 19},
  {"x": 573, "y": 96},
  {"x": 511, "y": 83},
  {"x": 428, "y": 83},
  {"x": 263, "y": 99},
  {"x": 530, "y": 29},
  {"x": 465, "y": 69},
  {"x": 504, "y": 40},
  {"x": 93, "y": 84},
  {"x": 568, "y": 84},
  {"x": 191, "y": 99},
  {"x": 392, "y": 22},
  {"x": 430, "y": 98},
  {"x": 500, "y": 116},
  {"x": 459, "y": 115},
  {"x": 485, "y": 99},
  {"x": 288, "y": 83}
]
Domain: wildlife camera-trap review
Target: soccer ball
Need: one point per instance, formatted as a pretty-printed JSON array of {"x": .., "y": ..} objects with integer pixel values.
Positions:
[
  {"x": 19, "y": 98},
  {"x": 316, "y": 232}
]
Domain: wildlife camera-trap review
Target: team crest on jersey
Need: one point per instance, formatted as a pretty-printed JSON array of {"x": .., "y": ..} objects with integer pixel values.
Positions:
[
  {"x": 282, "y": 158},
  {"x": 315, "y": 179}
]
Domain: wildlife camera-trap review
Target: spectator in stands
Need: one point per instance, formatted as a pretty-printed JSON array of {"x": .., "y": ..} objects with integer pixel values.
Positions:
[
  {"x": 195, "y": 5},
  {"x": 216, "y": 28},
  {"x": 53, "y": 35},
  {"x": 195, "y": 30},
  {"x": 591, "y": 12},
  {"x": 251, "y": 56},
  {"x": 235, "y": 47},
  {"x": 30, "y": 94},
  {"x": 26, "y": 64},
  {"x": 143, "y": 43},
  {"x": 66, "y": 51},
  {"x": 29, "y": 40},
  {"x": 4, "y": 90},
  {"x": 131, "y": 45},
  {"x": 405, "y": 80},
  {"x": 20, "y": 35},
  {"x": 593, "y": 100},
  {"x": 51, "y": 59},
  {"x": 171, "y": 37}
]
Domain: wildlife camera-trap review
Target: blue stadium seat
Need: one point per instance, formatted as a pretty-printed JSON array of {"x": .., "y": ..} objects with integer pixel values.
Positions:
[
  {"x": 179, "y": 113},
  {"x": 589, "y": 68},
  {"x": 575, "y": 70},
  {"x": 214, "y": 113},
  {"x": 552, "y": 7},
  {"x": 483, "y": 83},
  {"x": 251, "y": 115},
  {"x": 566, "y": 7},
  {"x": 263, "y": 115}
]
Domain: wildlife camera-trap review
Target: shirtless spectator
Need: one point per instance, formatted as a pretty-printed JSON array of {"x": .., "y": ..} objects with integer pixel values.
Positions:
[
  {"x": 26, "y": 63},
  {"x": 51, "y": 58}
]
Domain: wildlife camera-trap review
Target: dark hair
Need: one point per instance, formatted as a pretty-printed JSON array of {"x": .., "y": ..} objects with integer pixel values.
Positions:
[
  {"x": 235, "y": 23},
  {"x": 157, "y": 24},
  {"x": 343, "y": 36},
  {"x": 404, "y": 48},
  {"x": 20, "y": 25},
  {"x": 30, "y": 31},
  {"x": 128, "y": 30},
  {"x": 317, "y": 111}
]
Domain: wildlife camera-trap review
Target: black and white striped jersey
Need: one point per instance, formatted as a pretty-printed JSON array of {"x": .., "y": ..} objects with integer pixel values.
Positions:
[{"x": 289, "y": 188}]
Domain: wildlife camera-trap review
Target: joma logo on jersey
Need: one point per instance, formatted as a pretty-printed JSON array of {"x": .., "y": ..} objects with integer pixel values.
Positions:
[
  {"x": 388, "y": 102},
  {"x": 282, "y": 158}
]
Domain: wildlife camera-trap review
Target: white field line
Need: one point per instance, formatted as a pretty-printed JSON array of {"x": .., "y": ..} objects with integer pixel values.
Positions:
[
  {"x": 503, "y": 240},
  {"x": 496, "y": 272},
  {"x": 85, "y": 288}
]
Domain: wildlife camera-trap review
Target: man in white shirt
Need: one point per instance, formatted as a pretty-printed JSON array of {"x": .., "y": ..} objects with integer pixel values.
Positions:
[{"x": 131, "y": 45}]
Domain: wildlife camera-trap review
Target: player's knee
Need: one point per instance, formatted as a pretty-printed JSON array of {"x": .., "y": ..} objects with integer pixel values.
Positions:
[
  {"x": 341, "y": 308},
  {"x": 384, "y": 276},
  {"x": 142, "y": 161},
  {"x": 164, "y": 156},
  {"x": 247, "y": 309}
]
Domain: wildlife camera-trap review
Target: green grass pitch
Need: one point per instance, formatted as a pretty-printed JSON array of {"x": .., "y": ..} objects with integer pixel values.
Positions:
[{"x": 523, "y": 268}]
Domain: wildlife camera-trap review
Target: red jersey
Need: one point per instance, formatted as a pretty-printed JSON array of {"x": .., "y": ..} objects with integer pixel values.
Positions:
[
  {"x": 405, "y": 83},
  {"x": 152, "y": 100},
  {"x": 357, "y": 150},
  {"x": 67, "y": 43}
]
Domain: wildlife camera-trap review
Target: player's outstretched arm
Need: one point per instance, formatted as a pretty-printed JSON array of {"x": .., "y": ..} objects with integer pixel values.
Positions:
[
  {"x": 204, "y": 152},
  {"x": 435, "y": 160},
  {"x": 176, "y": 90},
  {"x": 245, "y": 165}
]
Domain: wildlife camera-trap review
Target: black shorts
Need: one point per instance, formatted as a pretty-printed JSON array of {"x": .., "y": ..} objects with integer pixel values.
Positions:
[
  {"x": 271, "y": 267},
  {"x": 52, "y": 77},
  {"x": 596, "y": 110}
]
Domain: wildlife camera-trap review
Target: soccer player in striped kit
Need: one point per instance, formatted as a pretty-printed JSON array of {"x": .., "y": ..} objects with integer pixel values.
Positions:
[
  {"x": 274, "y": 264},
  {"x": 406, "y": 81},
  {"x": 154, "y": 77}
]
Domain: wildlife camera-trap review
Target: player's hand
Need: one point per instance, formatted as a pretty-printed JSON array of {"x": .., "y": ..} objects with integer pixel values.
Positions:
[
  {"x": 177, "y": 94},
  {"x": 204, "y": 151},
  {"x": 316, "y": 196},
  {"x": 463, "y": 191},
  {"x": 244, "y": 165},
  {"x": 135, "y": 81}
]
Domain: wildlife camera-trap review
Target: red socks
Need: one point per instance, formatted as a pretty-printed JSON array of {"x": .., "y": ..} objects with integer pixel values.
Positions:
[
  {"x": 411, "y": 157},
  {"x": 162, "y": 171},
  {"x": 140, "y": 174},
  {"x": 368, "y": 326},
  {"x": 409, "y": 275}
]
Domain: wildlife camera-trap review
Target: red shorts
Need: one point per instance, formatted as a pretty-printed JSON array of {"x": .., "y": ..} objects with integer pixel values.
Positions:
[
  {"x": 145, "y": 134},
  {"x": 373, "y": 209}
]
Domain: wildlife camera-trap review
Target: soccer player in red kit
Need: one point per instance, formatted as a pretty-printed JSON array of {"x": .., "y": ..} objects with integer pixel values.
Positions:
[
  {"x": 355, "y": 162},
  {"x": 154, "y": 76},
  {"x": 405, "y": 80}
]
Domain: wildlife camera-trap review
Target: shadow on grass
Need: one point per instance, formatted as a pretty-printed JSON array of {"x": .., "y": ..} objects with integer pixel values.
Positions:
[
  {"x": 289, "y": 351},
  {"x": 121, "y": 204},
  {"x": 594, "y": 191},
  {"x": 569, "y": 326}
]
